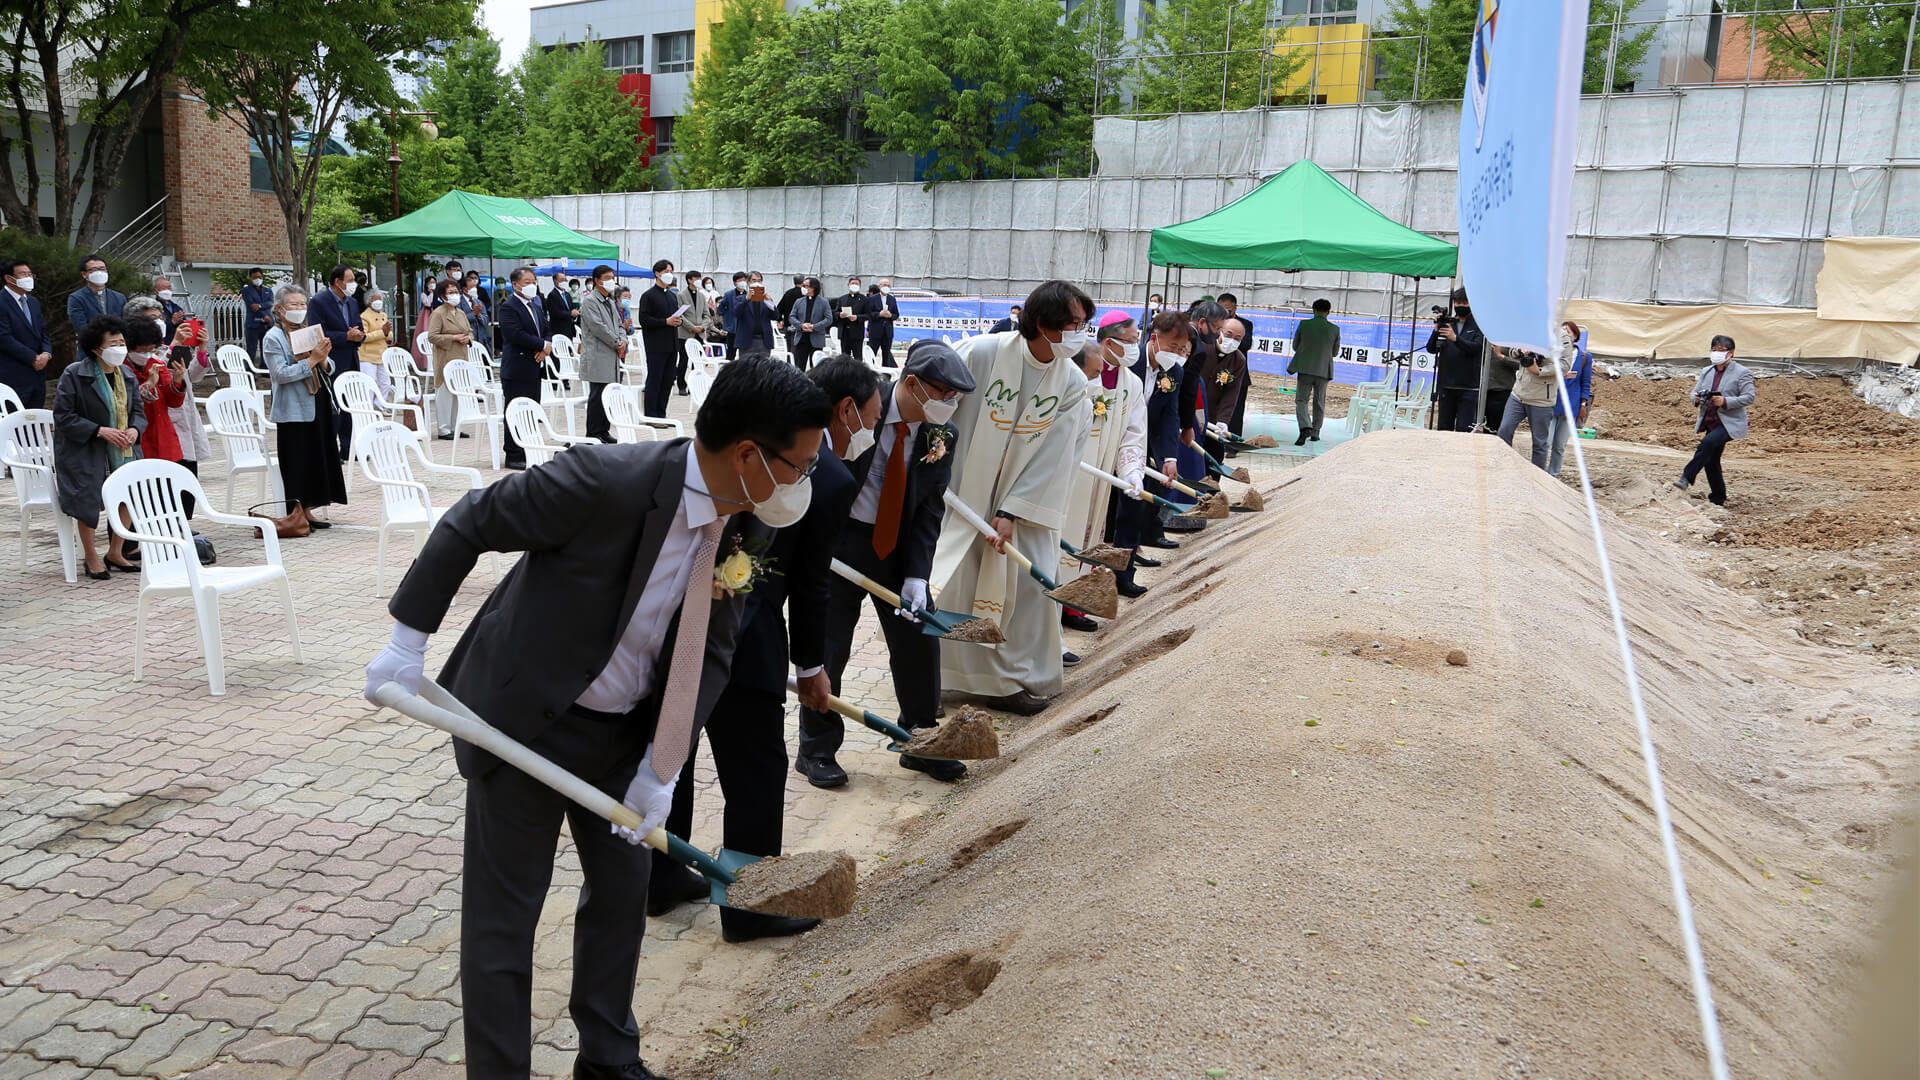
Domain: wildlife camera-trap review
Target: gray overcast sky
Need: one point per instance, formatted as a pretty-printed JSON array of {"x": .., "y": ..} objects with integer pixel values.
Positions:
[{"x": 507, "y": 21}]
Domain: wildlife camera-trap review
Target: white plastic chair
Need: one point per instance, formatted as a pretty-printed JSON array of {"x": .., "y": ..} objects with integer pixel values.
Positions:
[
  {"x": 699, "y": 381},
  {"x": 527, "y": 422},
  {"x": 360, "y": 396},
  {"x": 237, "y": 366},
  {"x": 26, "y": 447},
  {"x": 409, "y": 387},
  {"x": 388, "y": 457},
  {"x": 563, "y": 385},
  {"x": 472, "y": 404},
  {"x": 629, "y": 424},
  {"x": 242, "y": 424},
  {"x": 10, "y": 400},
  {"x": 150, "y": 491},
  {"x": 634, "y": 366}
]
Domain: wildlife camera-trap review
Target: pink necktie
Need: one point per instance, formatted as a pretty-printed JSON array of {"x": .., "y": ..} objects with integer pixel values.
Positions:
[{"x": 673, "y": 733}]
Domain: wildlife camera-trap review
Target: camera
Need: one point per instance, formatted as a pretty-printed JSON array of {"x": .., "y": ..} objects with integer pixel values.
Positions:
[{"x": 1441, "y": 318}]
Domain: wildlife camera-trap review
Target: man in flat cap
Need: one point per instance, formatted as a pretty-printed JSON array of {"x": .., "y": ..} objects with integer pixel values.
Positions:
[
  {"x": 1019, "y": 446},
  {"x": 890, "y": 536}
]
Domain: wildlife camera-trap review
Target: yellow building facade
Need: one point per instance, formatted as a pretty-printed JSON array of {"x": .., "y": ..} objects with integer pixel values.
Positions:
[{"x": 1338, "y": 69}]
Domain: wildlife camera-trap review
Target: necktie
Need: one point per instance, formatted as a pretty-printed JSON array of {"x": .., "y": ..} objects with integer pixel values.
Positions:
[
  {"x": 673, "y": 734},
  {"x": 893, "y": 495}
]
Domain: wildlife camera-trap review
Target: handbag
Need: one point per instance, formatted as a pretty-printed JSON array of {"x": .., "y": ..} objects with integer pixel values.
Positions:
[{"x": 294, "y": 524}]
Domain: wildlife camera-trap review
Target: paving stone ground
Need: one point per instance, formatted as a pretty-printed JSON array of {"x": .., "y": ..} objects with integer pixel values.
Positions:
[{"x": 266, "y": 884}]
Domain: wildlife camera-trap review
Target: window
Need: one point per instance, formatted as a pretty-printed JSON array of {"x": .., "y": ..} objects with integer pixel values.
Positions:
[
  {"x": 625, "y": 54},
  {"x": 672, "y": 52},
  {"x": 663, "y": 135},
  {"x": 1315, "y": 12}
]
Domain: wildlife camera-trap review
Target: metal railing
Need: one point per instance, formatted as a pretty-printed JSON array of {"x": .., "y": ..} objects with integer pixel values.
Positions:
[
  {"x": 143, "y": 240},
  {"x": 225, "y": 315}
]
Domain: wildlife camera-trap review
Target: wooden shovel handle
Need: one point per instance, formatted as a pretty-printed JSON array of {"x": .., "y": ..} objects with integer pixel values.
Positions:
[
  {"x": 978, "y": 522},
  {"x": 866, "y": 583}
]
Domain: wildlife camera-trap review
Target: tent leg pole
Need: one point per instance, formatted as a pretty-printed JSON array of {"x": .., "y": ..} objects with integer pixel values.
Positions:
[{"x": 1393, "y": 293}]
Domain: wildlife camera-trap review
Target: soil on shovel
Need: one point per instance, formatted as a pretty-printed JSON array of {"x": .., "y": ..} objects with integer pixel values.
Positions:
[
  {"x": 1263, "y": 442},
  {"x": 1213, "y": 506},
  {"x": 1106, "y": 555},
  {"x": 1252, "y": 500},
  {"x": 806, "y": 885},
  {"x": 976, "y": 632},
  {"x": 1093, "y": 592},
  {"x": 966, "y": 735},
  {"x": 1241, "y": 474}
]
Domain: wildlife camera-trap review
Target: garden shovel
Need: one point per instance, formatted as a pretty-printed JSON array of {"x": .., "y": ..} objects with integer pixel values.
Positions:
[
  {"x": 1241, "y": 474},
  {"x": 1124, "y": 486},
  {"x": 900, "y": 736},
  {"x": 1095, "y": 593},
  {"x": 933, "y": 621},
  {"x": 436, "y": 707}
]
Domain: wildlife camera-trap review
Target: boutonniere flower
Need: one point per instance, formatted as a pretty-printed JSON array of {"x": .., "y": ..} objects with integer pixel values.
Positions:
[
  {"x": 743, "y": 568},
  {"x": 1165, "y": 384},
  {"x": 1223, "y": 378},
  {"x": 937, "y": 440},
  {"x": 1101, "y": 404}
]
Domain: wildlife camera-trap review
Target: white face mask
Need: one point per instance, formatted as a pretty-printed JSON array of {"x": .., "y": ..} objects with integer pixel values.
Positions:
[
  {"x": 859, "y": 442},
  {"x": 1720, "y": 358},
  {"x": 256, "y": 281},
  {"x": 165, "y": 294},
  {"x": 1070, "y": 344},
  {"x": 377, "y": 305},
  {"x": 1167, "y": 361},
  {"x": 97, "y": 277},
  {"x": 1229, "y": 344},
  {"x": 786, "y": 505},
  {"x": 886, "y": 290},
  {"x": 937, "y": 411},
  {"x": 474, "y": 293},
  {"x": 113, "y": 355},
  {"x": 350, "y": 288},
  {"x": 529, "y": 291},
  {"x": 296, "y": 316},
  {"x": 666, "y": 278},
  {"x": 24, "y": 284}
]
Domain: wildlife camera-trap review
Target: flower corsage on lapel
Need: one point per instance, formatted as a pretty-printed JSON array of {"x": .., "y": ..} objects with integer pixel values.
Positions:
[
  {"x": 1102, "y": 404},
  {"x": 1223, "y": 378},
  {"x": 1165, "y": 384},
  {"x": 745, "y": 566},
  {"x": 939, "y": 441}
]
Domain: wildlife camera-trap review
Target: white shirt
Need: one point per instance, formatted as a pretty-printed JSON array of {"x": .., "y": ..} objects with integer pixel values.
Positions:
[
  {"x": 866, "y": 505},
  {"x": 628, "y": 677}
]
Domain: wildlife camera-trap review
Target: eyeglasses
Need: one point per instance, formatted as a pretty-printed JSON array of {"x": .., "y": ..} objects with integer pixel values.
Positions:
[{"x": 804, "y": 473}]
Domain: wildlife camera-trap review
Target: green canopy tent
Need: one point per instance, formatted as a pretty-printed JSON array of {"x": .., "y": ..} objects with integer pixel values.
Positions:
[
  {"x": 482, "y": 226},
  {"x": 1302, "y": 219}
]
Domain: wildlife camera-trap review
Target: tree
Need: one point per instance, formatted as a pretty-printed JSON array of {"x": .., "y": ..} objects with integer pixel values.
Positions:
[
  {"x": 123, "y": 53},
  {"x": 982, "y": 88},
  {"x": 1862, "y": 39},
  {"x": 1629, "y": 52},
  {"x": 472, "y": 99},
  {"x": 580, "y": 134},
  {"x": 1430, "y": 56},
  {"x": 354, "y": 189},
  {"x": 713, "y": 140},
  {"x": 285, "y": 73},
  {"x": 1207, "y": 55}
]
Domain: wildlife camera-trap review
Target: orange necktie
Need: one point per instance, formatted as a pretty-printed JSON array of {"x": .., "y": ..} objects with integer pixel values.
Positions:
[{"x": 893, "y": 495}]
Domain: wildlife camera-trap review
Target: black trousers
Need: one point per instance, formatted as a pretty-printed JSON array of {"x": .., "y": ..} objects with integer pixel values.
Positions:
[
  {"x": 850, "y": 340},
  {"x": 1496, "y": 409},
  {"x": 803, "y": 354},
  {"x": 1706, "y": 458},
  {"x": 597, "y": 423},
  {"x": 511, "y": 391},
  {"x": 254, "y": 335},
  {"x": 659, "y": 380},
  {"x": 513, "y": 828},
  {"x": 1457, "y": 407},
  {"x": 186, "y": 500},
  {"x": 913, "y": 657},
  {"x": 745, "y": 732},
  {"x": 680, "y": 366},
  {"x": 881, "y": 338},
  {"x": 342, "y": 419}
]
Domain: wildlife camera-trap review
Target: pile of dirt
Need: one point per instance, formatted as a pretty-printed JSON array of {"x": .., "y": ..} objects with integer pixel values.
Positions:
[
  {"x": 1213, "y": 506},
  {"x": 804, "y": 885},
  {"x": 1106, "y": 555},
  {"x": 1790, "y": 413},
  {"x": 964, "y": 735},
  {"x": 1095, "y": 592},
  {"x": 1245, "y": 851}
]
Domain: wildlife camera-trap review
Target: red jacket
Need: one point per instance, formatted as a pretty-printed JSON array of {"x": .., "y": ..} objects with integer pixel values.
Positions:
[{"x": 160, "y": 441}]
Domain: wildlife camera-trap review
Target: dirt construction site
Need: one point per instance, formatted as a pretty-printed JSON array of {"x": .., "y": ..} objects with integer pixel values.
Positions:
[{"x": 1356, "y": 789}]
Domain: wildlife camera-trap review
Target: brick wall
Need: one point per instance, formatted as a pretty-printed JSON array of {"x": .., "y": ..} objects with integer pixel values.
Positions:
[{"x": 213, "y": 215}]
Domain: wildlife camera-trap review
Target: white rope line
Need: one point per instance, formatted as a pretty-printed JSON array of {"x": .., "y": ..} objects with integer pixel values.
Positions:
[{"x": 1656, "y": 788}]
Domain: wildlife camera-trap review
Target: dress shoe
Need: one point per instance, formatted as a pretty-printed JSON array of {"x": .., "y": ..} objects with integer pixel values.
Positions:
[
  {"x": 445, "y": 436},
  {"x": 1302, "y": 440},
  {"x": 938, "y": 768},
  {"x": 319, "y": 523},
  {"x": 821, "y": 772},
  {"x": 102, "y": 575},
  {"x": 1145, "y": 560},
  {"x": 1166, "y": 542},
  {"x": 669, "y": 887},
  {"x": 1068, "y": 658},
  {"x": 737, "y": 925},
  {"x": 516, "y": 466},
  {"x": 1078, "y": 622},
  {"x": 1314, "y": 435},
  {"x": 1683, "y": 483},
  {"x": 1130, "y": 590},
  {"x": 1019, "y": 702},
  {"x": 587, "y": 1070},
  {"x": 1186, "y": 523},
  {"x": 119, "y": 568}
]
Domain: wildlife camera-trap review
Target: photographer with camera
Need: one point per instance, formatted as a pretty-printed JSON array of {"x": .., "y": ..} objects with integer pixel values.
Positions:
[
  {"x": 1721, "y": 393},
  {"x": 1455, "y": 344},
  {"x": 1536, "y": 391}
]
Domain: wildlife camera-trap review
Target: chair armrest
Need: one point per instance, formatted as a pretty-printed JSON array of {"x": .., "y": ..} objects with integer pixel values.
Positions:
[
  {"x": 474, "y": 479},
  {"x": 267, "y": 535}
]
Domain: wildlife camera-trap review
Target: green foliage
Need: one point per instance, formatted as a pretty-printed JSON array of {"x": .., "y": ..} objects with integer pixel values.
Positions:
[
  {"x": 473, "y": 100},
  {"x": 1439, "y": 69},
  {"x": 286, "y": 73},
  {"x": 1629, "y": 53},
  {"x": 579, "y": 134},
  {"x": 713, "y": 142},
  {"x": 1095, "y": 24},
  {"x": 1205, "y": 55},
  {"x": 56, "y": 274},
  {"x": 1021, "y": 105},
  {"x": 1864, "y": 39},
  {"x": 234, "y": 280}
]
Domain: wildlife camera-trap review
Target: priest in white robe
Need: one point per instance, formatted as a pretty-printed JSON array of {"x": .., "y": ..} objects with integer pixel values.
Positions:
[
  {"x": 1116, "y": 436},
  {"x": 1016, "y": 454}
]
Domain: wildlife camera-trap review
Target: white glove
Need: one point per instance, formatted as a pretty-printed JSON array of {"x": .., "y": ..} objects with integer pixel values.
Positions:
[
  {"x": 1218, "y": 431},
  {"x": 648, "y": 797},
  {"x": 403, "y": 661},
  {"x": 913, "y": 599}
]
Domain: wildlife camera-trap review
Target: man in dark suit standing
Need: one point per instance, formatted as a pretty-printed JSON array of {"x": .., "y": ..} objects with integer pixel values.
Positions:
[
  {"x": 728, "y": 307},
  {"x": 882, "y": 310},
  {"x": 93, "y": 299},
  {"x": 849, "y": 318},
  {"x": 890, "y": 536},
  {"x": 524, "y": 344},
  {"x": 1011, "y": 322},
  {"x": 788, "y": 299},
  {"x": 753, "y": 318},
  {"x": 257, "y": 300},
  {"x": 577, "y": 654},
  {"x": 25, "y": 345},
  {"x": 337, "y": 313},
  {"x": 746, "y": 729},
  {"x": 659, "y": 321},
  {"x": 559, "y": 309}
]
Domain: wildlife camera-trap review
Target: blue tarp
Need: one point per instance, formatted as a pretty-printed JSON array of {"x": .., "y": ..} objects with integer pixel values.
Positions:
[{"x": 584, "y": 269}]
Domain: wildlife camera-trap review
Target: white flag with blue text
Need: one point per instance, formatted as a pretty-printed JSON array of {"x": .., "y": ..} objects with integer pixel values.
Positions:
[{"x": 1517, "y": 128}]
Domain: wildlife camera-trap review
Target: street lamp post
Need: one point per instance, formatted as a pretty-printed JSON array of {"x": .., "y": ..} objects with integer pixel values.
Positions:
[{"x": 429, "y": 131}]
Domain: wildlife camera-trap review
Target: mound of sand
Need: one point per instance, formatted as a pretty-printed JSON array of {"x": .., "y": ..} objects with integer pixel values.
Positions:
[{"x": 1239, "y": 844}]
